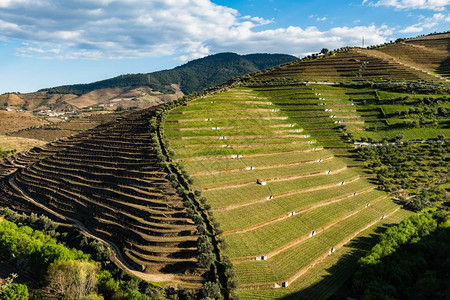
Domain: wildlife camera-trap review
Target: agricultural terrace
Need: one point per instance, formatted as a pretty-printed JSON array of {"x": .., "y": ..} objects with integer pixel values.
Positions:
[
  {"x": 311, "y": 199},
  {"x": 107, "y": 179},
  {"x": 428, "y": 54},
  {"x": 352, "y": 66},
  {"x": 337, "y": 113}
]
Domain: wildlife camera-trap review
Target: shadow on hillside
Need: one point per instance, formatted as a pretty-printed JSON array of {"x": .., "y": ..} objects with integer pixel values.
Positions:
[
  {"x": 444, "y": 68},
  {"x": 339, "y": 272}
]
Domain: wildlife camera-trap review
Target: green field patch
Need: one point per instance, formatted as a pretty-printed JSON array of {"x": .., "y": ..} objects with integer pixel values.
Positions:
[
  {"x": 325, "y": 277},
  {"x": 253, "y": 131},
  {"x": 172, "y": 126},
  {"x": 261, "y": 161},
  {"x": 219, "y": 180},
  {"x": 302, "y": 254},
  {"x": 256, "y": 149},
  {"x": 247, "y": 194},
  {"x": 264, "y": 240},
  {"x": 202, "y": 114},
  {"x": 238, "y": 218},
  {"x": 227, "y": 105},
  {"x": 409, "y": 134}
]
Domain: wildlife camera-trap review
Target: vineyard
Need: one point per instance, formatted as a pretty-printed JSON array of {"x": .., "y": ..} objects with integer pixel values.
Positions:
[
  {"x": 107, "y": 179},
  {"x": 314, "y": 201},
  {"x": 274, "y": 160},
  {"x": 259, "y": 177}
]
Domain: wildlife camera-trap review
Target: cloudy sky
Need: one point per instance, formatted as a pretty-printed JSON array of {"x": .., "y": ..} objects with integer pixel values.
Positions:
[{"x": 45, "y": 43}]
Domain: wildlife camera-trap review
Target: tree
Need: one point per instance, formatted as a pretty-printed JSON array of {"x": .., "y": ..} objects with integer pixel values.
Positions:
[
  {"x": 107, "y": 286},
  {"x": 211, "y": 290},
  {"x": 205, "y": 259},
  {"x": 72, "y": 279},
  {"x": 324, "y": 51},
  {"x": 136, "y": 295}
]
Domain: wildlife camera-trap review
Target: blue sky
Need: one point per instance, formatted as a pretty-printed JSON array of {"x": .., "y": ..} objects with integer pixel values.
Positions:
[{"x": 45, "y": 43}]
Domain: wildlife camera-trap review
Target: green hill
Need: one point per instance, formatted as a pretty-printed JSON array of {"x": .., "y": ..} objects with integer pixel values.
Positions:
[
  {"x": 274, "y": 159},
  {"x": 193, "y": 76}
]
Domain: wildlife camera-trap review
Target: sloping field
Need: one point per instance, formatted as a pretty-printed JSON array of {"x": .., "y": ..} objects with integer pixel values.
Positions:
[
  {"x": 429, "y": 55},
  {"x": 107, "y": 180},
  {"x": 280, "y": 181},
  {"x": 437, "y": 45},
  {"x": 12, "y": 121},
  {"x": 356, "y": 65},
  {"x": 63, "y": 129},
  {"x": 8, "y": 143}
]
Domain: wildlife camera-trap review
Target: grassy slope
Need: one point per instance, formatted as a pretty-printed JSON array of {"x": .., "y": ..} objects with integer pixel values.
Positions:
[
  {"x": 296, "y": 178},
  {"x": 259, "y": 220}
]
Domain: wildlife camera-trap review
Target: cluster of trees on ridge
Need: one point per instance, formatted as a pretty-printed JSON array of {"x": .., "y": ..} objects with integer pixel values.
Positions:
[
  {"x": 193, "y": 76},
  {"x": 5, "y": 153}
]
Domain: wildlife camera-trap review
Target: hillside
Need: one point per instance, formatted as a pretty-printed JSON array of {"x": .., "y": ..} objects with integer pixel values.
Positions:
[
  {"x": 422, "y": 60},
  {"x": 193, "y": 76},
  {"x": 274, "y": 159},
  {"x": 144, "y": 90},
  {"x": 428, "y": 52},
  {"x": 261, "y": 173},
  {"x": 106, "y": 182}
]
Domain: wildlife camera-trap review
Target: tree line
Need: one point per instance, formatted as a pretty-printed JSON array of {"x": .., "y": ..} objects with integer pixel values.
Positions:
[{"x": 410, "y": 261}]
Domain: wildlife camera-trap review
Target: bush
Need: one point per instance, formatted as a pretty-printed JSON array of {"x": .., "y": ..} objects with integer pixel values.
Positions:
[
  {"x": 72, "y": 279},
  {"x": 15, "y": 291},
  {"x": 136, "y": 295}
]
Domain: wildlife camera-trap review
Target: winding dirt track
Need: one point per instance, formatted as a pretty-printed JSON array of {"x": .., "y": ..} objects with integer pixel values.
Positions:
[{"x": 116, "y": 254}]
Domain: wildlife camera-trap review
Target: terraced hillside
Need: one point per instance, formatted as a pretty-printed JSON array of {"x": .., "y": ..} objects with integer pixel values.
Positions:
[
  {"x": 429, "y": 54},
  {"x": 106, "y": 181},
  {"x": 271, "y": 156},
  {"x": 415, "y": 60},
  {"x": 279, "y": 180}
]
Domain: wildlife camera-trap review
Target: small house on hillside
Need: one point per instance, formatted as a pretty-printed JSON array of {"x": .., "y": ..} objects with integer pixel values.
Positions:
[{"x": 261, "y": 181}]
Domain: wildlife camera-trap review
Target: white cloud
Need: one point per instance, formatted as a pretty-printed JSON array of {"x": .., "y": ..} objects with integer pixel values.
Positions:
[
  {"x": 321, "y": 19},
  {"x": 437, "y": 5},
  {"x": 427, "y": 23},
  {"x": 411, "y": 29},
  {"x": 99, "y": 29},
  {"x": 300, "y": 42}
]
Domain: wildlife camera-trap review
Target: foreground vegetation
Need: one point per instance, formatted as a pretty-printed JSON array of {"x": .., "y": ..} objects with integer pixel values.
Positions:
[
  {"x": 410, "y": 261},
  {"x": 70, "y": 273}
]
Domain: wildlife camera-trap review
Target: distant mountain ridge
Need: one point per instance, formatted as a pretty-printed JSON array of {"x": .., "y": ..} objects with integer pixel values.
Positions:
[{"x": 193, "y": 76}]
